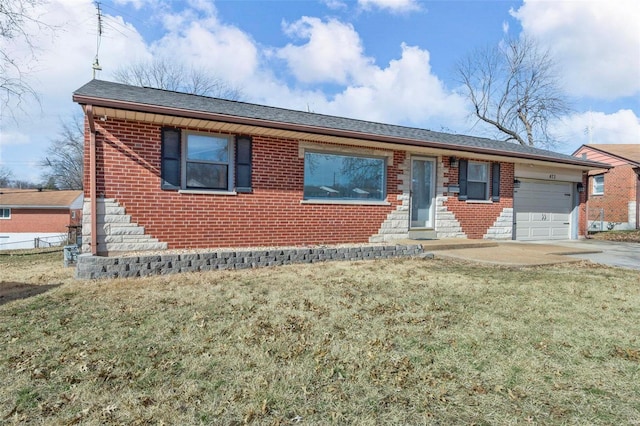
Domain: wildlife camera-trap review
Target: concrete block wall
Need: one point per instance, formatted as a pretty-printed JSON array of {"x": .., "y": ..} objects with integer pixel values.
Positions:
[{"x": 95, "y": 267}]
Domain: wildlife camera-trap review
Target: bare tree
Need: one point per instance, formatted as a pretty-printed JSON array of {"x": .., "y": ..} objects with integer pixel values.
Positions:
[
  {"x": 64, "y": 160},
  {"x": 167, "y": 75},
  {"x": 17, "y": 19},
  {"x": 514, "y": 88},
  {"x": 5, "y": 176}
]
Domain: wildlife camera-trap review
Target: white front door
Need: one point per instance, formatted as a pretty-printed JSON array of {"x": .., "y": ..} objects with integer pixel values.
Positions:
[{"x": 423, "y": 173}]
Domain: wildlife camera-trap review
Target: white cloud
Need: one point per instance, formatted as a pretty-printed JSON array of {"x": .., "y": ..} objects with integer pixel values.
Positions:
[
  {"x": 200, "y": 39},
  {"x": 574, "y": 130},
  {"x": 394, "y": 6},
  {"x": 333, "y": 53},
  {"x": 404, "y": 92},
  {"x": 335, "y": 4},
  {"x": 596, "y": 43}
]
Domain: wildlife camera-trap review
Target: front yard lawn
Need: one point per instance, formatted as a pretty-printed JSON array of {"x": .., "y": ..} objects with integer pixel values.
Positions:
[{"x": 399, "y": 342}]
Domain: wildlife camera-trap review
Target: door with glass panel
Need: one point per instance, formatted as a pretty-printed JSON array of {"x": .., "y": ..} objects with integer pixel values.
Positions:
[{"x": 422, "y": 192}]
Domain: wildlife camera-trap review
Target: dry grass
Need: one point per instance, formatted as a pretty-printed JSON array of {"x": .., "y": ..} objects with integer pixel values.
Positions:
[
  {"x": 382, "y": 342},
  {"x": 623, "y": 236}
]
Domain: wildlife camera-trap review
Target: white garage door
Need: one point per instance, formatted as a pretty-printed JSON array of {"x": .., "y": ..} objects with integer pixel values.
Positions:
[{"x": 542, "y": 210}]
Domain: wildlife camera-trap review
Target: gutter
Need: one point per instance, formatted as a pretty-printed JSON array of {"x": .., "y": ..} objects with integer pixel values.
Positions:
[
  {"x": 211, "y": 116},
  {"x": 92, "y": 180}
]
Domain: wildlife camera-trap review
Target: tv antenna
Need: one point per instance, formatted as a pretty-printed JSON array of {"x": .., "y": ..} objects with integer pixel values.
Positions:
[{"x": 96, "y": 63}]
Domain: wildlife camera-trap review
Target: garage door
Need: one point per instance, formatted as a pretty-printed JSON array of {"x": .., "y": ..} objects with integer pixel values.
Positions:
[{"x": 542, "y": 210}]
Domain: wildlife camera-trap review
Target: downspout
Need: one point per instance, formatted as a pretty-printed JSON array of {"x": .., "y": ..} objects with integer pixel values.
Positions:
[
  {"x": 586, "y": 204},
  {"x": 92, "y": 180}
]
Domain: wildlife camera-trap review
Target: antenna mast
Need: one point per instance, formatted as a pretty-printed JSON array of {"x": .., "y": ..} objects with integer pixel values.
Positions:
[{"x": 96, "y": 63}]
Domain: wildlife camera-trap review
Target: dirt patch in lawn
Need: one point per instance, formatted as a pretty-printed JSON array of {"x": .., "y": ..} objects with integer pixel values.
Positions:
[{"x": 10, "y": 291}]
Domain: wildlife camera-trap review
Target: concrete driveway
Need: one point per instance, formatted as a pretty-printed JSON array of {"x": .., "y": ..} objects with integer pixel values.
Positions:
[
  {"x": 512, "y": 253},
  {"x": 623, "y": 255}
]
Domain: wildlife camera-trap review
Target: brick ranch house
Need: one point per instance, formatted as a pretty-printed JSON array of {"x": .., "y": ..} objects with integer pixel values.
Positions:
[
  {"x": 172, "y": 170},
  {"x": 614, "y": 193},
  {"x": 30, "y": 216}
]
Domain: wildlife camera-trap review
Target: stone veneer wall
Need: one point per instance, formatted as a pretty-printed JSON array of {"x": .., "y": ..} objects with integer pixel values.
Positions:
[
  {"x": 116, "y": 232},
  {"x": 502, "y": 228},
  {"x": 447, "y": 226},
  {"x": 396, "y": 226},
  {"x": 92, "y": 267}
]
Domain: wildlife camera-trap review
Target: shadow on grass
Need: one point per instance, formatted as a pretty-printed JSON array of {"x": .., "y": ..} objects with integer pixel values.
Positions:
[{"x": 10, "y": 291}]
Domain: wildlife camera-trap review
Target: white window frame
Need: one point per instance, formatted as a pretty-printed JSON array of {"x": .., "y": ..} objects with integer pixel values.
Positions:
[
  {"x": 597, "y": 188},
  {"x": 350, "y": 153},
  {"x": 230, "y": 163},
  {"x": 486, "y": 182},
  {"x": 2, "y": 213}
]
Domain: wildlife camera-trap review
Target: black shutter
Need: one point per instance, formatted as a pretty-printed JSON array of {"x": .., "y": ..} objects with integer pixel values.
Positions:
[
  {"x": 495, "y": 181},
  {"x": 170, "y": 167},
  {"x": 462, "y": 179},
  {"x": 243, "y": 164}
]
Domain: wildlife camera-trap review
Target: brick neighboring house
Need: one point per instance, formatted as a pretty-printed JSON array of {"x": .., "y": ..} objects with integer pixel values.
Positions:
[
  {"x": 29, "y": 217},
  {"x": 172, "y": 170},
  {"x": 614, "y": 194}
]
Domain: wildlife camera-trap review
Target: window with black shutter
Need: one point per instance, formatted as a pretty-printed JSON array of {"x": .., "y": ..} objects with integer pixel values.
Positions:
[
  {"x": 495, "y": 181},
  {"x": 474, "y": 178},
  {"x": 170, "y": 164},
  {"x": 243, "y": 164},
  {"x": 462, "y": 180}
]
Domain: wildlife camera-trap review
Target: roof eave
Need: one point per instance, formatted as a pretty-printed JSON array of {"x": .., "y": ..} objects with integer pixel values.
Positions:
[
  {"x": 631, "y": 162},
  {"x": 187, "y": 113},
  {"x": 31, "y": 206}
]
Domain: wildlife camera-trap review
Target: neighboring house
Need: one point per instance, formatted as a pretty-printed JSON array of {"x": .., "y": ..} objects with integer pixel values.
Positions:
[
  {"x": 613, "y": 198},
  {"x": 173, "y": 170},
  {"x": 32, "y": 217}
]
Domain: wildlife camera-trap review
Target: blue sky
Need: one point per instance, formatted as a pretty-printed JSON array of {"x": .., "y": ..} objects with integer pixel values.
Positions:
[{"x": 382, "y": 60}]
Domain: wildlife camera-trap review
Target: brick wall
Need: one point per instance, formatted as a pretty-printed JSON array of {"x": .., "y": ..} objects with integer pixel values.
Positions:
[
  {"x": 619, "y": 190},
  {"x": 128, "y": 170},
  {"x": 582, "y": 207},
  {"x": 476, "y": 218},
  {"x": 36, "y": 220}
]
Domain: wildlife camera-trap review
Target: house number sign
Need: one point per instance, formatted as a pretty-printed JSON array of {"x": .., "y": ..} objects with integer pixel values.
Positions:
[{"x": 552, "y": 177}]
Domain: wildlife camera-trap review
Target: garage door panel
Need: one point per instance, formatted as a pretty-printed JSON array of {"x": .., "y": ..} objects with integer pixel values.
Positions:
[
  {"x": 560, "y": 217},
  {"x": 543, "y": 210}
]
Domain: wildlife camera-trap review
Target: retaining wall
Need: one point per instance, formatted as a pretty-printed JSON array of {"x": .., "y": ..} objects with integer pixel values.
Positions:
[{"x": 92, "y": 267}]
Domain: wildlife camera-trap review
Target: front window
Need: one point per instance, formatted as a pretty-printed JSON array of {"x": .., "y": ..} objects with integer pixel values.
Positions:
[
  {"x": 5, "y": 213},
  {"x": 598, "y": 185},
  {"x": 343, "y": 177},
  {"x": 477, "y": 181},
  {"x": 207, "y": 162}
]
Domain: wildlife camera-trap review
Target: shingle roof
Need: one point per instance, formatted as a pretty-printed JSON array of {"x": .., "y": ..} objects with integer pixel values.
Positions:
[
  {"x": 100, "y": 92},
  {"x": 628, "y": 151},
  {"x": 21, "y": 198}
]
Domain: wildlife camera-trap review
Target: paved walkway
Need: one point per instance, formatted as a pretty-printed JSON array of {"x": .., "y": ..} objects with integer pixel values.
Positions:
[{"x": 512, "y": 253}]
